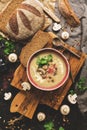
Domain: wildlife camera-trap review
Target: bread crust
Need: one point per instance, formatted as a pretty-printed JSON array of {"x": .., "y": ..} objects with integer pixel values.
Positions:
[
  {"x": 68, "y": 13},
  {"x": 39, "y": 40},
  {"x": 25, "y": 21}
]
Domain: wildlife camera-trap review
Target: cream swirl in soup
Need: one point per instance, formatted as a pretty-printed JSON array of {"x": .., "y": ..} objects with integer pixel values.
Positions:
[{"x": 47, "y": 69}]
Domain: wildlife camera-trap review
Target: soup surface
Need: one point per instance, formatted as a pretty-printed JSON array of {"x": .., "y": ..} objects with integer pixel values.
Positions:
[{"x": 47, "y": 69}]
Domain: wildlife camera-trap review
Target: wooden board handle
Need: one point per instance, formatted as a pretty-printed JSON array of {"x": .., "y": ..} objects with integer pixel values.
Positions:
[{"x": 25, "y": 104}]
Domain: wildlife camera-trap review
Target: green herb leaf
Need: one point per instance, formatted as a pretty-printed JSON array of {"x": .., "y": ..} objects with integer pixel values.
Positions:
[
  {"x": 49, "y": 126},
  {"x": 81, "y": 85},
  {"x": 71, "y": 92},
  {"x": 7, "y": 51},
  {"x": 49, "y": 58},
  {"x": 1, "y": 38},
  {"x": 61, "y": 128},
  {"x": 38, "y": 60},
  {"x": 7, "y": 43},
  {"x": 44, "y": 60}
]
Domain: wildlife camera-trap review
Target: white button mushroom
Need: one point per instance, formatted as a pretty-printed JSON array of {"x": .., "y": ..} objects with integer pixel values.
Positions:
[
  {"x": 41, "y": 116},
  {"x": 12, "y": 57},
  {"x": 56, "y": 27},
  {"x": 65, "y": 109},
  {"x": 72, "y": 98},
  {"x": 65, "y": 35},
  {"x": 7, "y": 96},
  {"x": 26, "y": 86}
]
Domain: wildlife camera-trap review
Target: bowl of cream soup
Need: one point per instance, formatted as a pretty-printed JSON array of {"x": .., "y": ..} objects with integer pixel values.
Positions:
[{"x": 48, "y": 69}]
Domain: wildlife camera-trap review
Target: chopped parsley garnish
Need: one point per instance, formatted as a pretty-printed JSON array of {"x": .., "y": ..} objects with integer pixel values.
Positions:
[{"x": 44, "y": 60}]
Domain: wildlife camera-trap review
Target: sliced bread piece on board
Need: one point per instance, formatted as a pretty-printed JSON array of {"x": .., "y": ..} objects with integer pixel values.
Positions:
[
  {"x": 68, "y": 13},
  {"x": 39, "y": 40}
]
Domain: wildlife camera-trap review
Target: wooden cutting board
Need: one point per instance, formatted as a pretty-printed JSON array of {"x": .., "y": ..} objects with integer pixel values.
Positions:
[
  {"x": 52, "y": 98},
  {"x": 25, "y": 103}
]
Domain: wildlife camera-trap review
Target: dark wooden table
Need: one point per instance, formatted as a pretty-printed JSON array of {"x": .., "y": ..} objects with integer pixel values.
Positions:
[{"x": 73, "y": 121}]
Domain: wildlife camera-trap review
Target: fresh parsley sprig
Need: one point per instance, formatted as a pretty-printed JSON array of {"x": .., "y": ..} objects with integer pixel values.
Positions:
[
  {"x": 81, "y": 85},
  {"x": 50, "y": 126},
  {"x": 7, "y": 45},
  {"x": 44, "y": 60}
]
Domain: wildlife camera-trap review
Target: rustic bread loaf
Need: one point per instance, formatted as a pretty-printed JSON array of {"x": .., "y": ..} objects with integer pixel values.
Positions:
[
  {"x": 39, "y": 40},
  {"x": 68, "y": 13},
  {"x": 26, "y": 20}
]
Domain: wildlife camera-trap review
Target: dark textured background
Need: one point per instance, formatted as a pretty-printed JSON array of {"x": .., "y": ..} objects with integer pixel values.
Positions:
[{"x": 77, "y": 121}]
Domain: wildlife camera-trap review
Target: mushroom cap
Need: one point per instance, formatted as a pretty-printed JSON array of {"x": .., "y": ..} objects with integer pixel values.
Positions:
[
  {"x": 72, "y": 98},
  {"x": 65, "y": 109},
  {"x": 12, "y": 57},
  {"x": 65, "y": 35},
  {"x": 26, "y": 86},
  {"x": 7, "y": 96},
  {"x": 56, "y": 27},
  {"x": 41, "y": 116}
]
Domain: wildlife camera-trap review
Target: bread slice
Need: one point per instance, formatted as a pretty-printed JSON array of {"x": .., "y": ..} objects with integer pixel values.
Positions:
[
  {"x": 68, "y": 13},
  {"x": 39, "y": 40}
]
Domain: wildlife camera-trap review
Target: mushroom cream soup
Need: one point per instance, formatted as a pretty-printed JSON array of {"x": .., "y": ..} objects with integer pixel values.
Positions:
[{"x": 47, "y": 69}]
